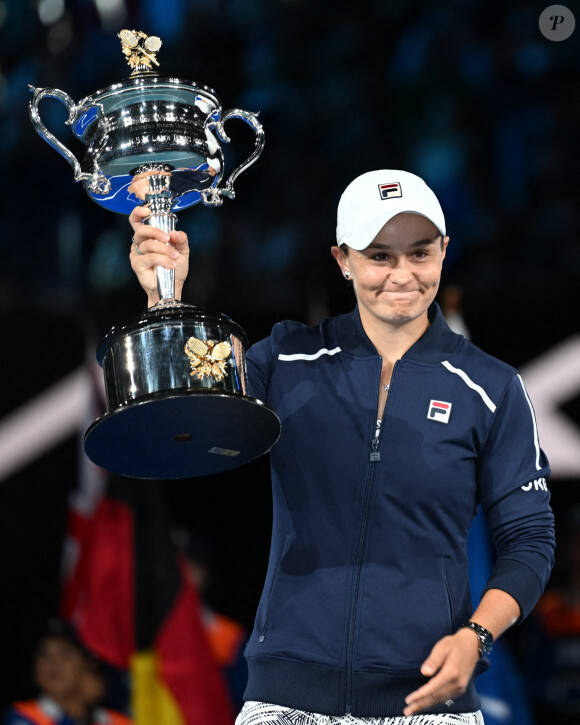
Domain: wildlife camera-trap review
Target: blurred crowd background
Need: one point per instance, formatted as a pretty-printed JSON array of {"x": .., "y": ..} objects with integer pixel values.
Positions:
[{"x": 466, "y": 93}]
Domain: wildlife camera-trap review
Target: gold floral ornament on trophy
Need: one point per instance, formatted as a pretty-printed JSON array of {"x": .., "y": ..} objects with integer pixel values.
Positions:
[
  {"x": 207, "y": 359},
  {"x": 140, "y": 49},
  {"x": 156, "y": 141}
]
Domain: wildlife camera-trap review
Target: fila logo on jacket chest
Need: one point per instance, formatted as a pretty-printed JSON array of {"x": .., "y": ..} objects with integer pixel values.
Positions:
[{"x": 439, "y": 410}]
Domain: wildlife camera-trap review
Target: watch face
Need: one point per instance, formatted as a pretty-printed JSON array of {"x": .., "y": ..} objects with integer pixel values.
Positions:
[
  {"x": 486, "y": 645},
  {"x": 485, "y": 639}
]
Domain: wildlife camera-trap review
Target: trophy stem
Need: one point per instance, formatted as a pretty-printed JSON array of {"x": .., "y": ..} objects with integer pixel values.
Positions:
[{"x": 160, "y": 203}]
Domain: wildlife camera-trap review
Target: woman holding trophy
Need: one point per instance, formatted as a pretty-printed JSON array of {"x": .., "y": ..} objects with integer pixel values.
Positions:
[{"x": 394, "y": 430}]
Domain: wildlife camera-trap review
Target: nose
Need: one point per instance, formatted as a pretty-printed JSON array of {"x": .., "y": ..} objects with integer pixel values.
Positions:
[{"x": 401, "y": 273}]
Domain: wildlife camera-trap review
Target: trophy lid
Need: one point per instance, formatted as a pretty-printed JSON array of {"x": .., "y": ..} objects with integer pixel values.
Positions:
[
  {"x": 144, "y": 84},
  {"x": 146, "y": 88}
]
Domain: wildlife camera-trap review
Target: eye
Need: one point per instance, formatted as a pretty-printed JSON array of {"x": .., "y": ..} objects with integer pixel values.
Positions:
[
  {"x": 379, "y": 257},
  {"x": 420, "y": 254}
]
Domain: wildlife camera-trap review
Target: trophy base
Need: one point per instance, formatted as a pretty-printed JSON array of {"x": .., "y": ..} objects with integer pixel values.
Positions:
[
  {"x": 173, "y": 436},
  {"x": 178, "y": 405}
]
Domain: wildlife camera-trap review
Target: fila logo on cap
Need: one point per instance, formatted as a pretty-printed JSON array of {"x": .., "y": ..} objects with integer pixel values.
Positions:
[
  {"x": 439, "y": 410},
  {"x": 388, "y": 191}
]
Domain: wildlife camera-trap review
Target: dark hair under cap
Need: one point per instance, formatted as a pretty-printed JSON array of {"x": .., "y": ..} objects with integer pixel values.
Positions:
[{"x": 55, "y": 627}]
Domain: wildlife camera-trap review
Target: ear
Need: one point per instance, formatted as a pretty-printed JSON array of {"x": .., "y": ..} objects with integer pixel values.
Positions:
[
  {"x": 340, "y": 257},
  {"x": 444, "y": 250}
]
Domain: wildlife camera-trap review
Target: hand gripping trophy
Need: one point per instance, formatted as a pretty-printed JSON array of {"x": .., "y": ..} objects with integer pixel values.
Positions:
[{"x": 175, "y": 376}]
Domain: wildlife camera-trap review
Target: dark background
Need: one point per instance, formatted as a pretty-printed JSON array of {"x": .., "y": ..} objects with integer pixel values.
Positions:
[{"x": 467, "y": 93}]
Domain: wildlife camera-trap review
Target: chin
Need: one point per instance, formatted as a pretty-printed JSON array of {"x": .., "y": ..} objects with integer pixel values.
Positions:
[
  {"x": 400, "y": 317},
  {"x": 401, "y": 311}
]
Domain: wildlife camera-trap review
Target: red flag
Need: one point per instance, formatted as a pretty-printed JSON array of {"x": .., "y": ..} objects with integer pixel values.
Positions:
[{"x": 137, "y": 610}]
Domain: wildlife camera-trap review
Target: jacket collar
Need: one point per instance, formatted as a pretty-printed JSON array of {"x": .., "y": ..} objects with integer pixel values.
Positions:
[
  {"x": 49, "y": 707},
  {"x": 435, "y": 345},
  {"x": 55, "y": 712}
]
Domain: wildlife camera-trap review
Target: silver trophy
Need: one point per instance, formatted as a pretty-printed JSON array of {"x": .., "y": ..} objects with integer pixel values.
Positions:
[{"x": 175, "y": 376}]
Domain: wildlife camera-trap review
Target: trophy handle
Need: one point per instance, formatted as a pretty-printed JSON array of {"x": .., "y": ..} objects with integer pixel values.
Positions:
[
  {"x": 212, "y": 197},
  {"x": 97, "y": 181}
]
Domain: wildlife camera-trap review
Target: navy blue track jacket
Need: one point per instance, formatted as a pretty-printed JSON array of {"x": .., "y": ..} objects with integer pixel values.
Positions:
[{"x": 368, "y": 564}]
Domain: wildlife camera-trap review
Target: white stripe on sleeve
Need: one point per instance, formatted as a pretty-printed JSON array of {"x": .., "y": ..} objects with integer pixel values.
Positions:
[
  {"x": 536, "y": 439},
  {"x": 469, "y": 382},
  {"x": 303, "y": 356}
]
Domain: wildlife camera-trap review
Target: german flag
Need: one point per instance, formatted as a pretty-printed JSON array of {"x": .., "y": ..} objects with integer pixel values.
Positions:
[{"x": 136, "y": 610}]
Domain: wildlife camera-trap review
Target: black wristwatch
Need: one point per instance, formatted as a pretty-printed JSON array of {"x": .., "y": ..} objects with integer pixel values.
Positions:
[{"x": 484, "y": 637}]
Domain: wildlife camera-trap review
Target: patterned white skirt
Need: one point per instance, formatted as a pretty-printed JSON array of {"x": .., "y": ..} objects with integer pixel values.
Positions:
[{"x": 260, "y": 713}]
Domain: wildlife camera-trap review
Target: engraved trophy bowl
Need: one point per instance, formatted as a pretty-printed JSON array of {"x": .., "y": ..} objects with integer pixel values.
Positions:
[{"x": 175, "y": 376}]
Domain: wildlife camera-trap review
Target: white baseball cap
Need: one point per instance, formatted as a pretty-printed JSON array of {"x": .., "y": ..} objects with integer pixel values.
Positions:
[{"x": 374, "y": 198}]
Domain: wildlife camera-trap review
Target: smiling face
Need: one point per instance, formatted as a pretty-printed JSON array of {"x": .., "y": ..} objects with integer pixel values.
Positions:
[{"x": 396, "y": 278}]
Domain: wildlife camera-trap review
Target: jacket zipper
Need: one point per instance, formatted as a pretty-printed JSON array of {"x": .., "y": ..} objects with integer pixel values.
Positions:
[{"x": 374, "y": 456}]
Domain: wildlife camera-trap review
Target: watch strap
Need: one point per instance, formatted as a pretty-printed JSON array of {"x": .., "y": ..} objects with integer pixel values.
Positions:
[{"x": 484, "y": 637}]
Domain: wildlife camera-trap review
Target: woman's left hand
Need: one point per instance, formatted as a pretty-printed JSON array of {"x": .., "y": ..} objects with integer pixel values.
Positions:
[{"x": 450, "y": 667}]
